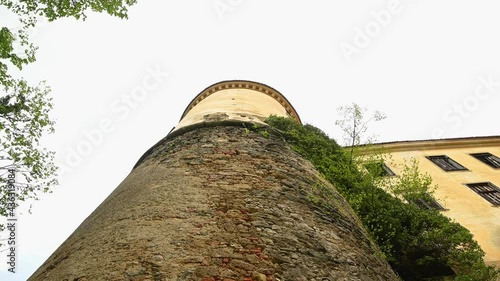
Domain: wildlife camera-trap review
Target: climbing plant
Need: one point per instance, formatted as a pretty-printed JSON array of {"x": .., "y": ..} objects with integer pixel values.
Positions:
[{"x": 418, "y": 243}]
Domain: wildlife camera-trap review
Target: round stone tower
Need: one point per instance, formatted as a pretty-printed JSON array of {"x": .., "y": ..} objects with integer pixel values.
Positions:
[{"x": 216, "y": 201}]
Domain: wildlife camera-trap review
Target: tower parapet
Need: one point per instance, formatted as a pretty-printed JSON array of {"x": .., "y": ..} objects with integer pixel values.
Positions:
[{"x": 235, "y": 101}]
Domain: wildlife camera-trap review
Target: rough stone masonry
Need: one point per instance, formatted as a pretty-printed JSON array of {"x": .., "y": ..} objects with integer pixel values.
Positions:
[{"x": 220, "y": 203}]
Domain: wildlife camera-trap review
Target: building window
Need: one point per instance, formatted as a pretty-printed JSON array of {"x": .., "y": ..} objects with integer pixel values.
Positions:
[
  {"x": 446, "y": 163},
  {"x": 487, "y": 190},
  {"x": 429, "y": 204},
  {"x": 378, "y": 169},
  {"x": 488, "y": 159}
]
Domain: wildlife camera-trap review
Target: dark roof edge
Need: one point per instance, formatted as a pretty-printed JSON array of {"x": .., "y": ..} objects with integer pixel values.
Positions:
[
  {"x": 444, "y": 139},
  {"x": 435, "y": 143}
]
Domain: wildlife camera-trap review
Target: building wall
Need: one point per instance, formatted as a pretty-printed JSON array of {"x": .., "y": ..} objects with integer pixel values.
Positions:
[{"x": 462, "y": 204}]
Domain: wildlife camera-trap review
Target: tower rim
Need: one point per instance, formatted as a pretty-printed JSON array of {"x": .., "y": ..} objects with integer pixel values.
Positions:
[{"x": 244, "y": 84}]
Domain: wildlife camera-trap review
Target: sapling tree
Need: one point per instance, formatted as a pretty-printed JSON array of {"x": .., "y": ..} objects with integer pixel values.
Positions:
[{"x": 354, "y": 124}]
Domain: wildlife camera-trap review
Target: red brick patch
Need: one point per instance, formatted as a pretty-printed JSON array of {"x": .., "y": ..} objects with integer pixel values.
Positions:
[
  {"x": 256, "y": 250},
  {"x": 264, "y": 257}
]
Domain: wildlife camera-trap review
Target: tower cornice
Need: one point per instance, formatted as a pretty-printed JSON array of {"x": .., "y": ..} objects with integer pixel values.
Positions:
[{"x": 244, "y": 84}]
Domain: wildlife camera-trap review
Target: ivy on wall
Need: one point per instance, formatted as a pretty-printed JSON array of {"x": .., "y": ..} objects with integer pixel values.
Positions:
[{"x": 419, "y": 244}]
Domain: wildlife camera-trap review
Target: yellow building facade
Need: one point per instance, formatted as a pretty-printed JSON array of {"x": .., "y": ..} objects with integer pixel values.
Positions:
[{"x": 467, "y": 174}]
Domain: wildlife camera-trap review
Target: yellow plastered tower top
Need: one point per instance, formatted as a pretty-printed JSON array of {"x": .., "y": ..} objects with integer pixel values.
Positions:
[{"x": 235, "y": 101}]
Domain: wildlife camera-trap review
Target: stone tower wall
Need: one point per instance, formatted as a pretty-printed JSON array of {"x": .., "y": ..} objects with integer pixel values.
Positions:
[{"x": 220, "y": 203}]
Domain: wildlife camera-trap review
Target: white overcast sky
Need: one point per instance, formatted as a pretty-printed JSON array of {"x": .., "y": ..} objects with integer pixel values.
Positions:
[{"x": 431, "y": 66}]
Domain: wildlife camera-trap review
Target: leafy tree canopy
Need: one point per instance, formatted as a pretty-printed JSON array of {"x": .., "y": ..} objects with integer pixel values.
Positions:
[
  {"x": 15, "y": 46},
  {"x": 54, "y": 9},
  {"x": 24, "y": 108}
]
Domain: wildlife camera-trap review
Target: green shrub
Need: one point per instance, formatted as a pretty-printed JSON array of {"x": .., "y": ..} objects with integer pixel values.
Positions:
[{"x": 417, "y": 243}]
